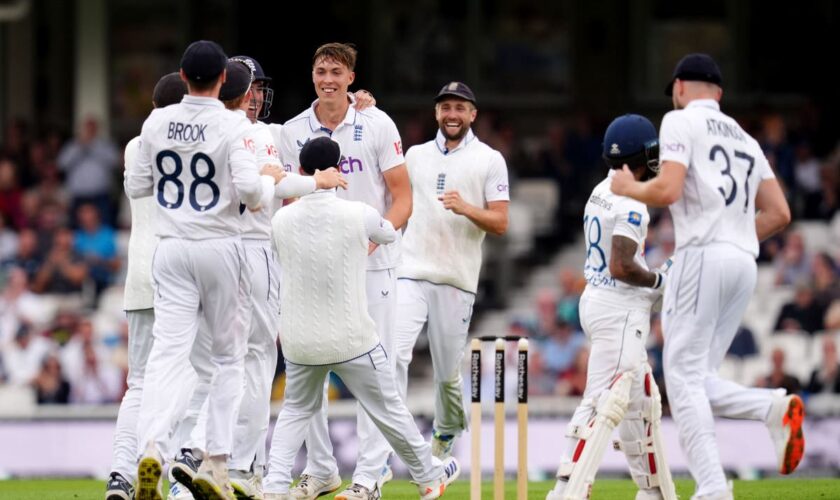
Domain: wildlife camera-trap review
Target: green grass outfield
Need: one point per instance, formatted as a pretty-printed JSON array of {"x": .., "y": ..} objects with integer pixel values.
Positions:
[{"x": 606, "y": 489}]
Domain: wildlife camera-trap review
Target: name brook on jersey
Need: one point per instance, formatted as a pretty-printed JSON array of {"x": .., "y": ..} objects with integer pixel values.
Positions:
[{"x": 186, "y": 132}]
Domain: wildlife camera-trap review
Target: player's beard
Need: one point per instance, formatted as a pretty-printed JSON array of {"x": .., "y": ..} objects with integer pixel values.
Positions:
[{"x": 462, "y": 131}]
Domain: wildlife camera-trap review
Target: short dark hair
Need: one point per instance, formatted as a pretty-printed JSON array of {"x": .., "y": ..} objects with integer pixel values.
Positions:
[
  {"x": 342, "y": 53},
  {"x": 320, "y": 153}
]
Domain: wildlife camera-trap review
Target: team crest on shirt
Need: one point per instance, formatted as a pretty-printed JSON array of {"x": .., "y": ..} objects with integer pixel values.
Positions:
[
  {"x": 635, "y": 218},
  {"x": 357, "y": 133}
]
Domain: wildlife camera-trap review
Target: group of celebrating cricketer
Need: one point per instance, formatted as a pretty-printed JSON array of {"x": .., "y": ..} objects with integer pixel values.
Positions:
[{"x": 321, "y": 234}]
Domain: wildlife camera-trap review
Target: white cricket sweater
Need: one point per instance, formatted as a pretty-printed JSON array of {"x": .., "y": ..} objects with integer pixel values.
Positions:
[
  {"x": 322, "y": 244},
  {"x": 142, "y": 242},
  {"x": 439, "y": 245}
]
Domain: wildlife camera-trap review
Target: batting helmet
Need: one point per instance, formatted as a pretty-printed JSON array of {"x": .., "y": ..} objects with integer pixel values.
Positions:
[{"x": 632, "y": 140}]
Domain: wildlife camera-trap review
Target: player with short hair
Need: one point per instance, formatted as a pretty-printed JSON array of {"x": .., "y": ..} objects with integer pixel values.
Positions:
[
  {"x": 724, "y": 199},
  {"x": 197, "y": 159},
  {"x": 615, "y": 315},
  {"x": 139, "y": 311},
  {"x": 322, "y": 244},
  {"x": 376, "y": 173},
  {"x": 460, "y": 194}
]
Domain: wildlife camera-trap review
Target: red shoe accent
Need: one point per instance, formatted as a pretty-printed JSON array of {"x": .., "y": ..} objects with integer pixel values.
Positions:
[{"x": 795, "y": 448}]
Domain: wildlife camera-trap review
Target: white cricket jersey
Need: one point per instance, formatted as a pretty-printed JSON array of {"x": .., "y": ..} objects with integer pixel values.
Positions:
[
  {"x": 321, "y": 244},
  {"x": 139, "y": 293},
  {"x": 439, "y": 245},
  {"x": 608, "y": 215},
  {"x": 724, "y": 168},
  {"x": 197, "y": 159},
  {"x": 257, "y": 225},
  {"x": 370, "y": 144}
]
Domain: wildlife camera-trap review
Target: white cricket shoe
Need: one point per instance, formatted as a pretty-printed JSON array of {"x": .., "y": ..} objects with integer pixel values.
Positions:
[
  {"x": 212, "y": 481},
  {"x": 277, "y": 496},
  {"x": 149, "y": 475},
  {"x": 311, "y": 487},
  {"x": 785, "y": 425},
  {"x": 434, "y": 489},
  {"x": 358, "y": 492},
  {"x": 649, "y": 494},
  {"x": 246, "y": 485},
  {"x": 178, "y": 492}
]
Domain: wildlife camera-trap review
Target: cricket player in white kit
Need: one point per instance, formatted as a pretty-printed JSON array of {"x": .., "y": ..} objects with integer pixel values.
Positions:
[
  {"x": 248, "y": 455},
  {"x": 460, "y": 191},
  {"x": 197, "y": 159},
  {"x": 139, "y": 311},
  {"x": 375, "y": 169},
  {"x": 615, "y": 315},
  {"x": 322, "y": 244},
  {"x": 724, "y": 199}
]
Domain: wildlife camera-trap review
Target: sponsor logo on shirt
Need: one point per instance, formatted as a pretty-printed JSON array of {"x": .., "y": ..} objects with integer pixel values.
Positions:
[
  {"x": 502, "y": 188},
  {"x": 635, "y": 218},
  {"x": 398, "y": 147},
  {"x": 249, "y": 144},
  {"x": 350, "y": 165},
  {"x": 674, "y": 147}
]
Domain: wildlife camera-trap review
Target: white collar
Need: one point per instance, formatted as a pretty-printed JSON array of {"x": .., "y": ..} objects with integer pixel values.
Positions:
[
  {"x": 349, "y": 118},
  {"x": 440, "y": 140},
  {"x": 704, "y": 103}
]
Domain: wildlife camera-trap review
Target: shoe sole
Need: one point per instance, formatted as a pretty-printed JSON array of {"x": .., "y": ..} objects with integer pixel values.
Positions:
[
  {"x": 184, "y": 476},
  {"x": 208, "y": 489},
  {"x": 149, "y": 471},
  {"x": 117, "y": 495},
  {"x": 795, "y": 447}
]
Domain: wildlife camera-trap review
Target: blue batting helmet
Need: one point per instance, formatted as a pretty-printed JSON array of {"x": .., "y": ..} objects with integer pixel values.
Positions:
[{"x": 632, "y": 140}]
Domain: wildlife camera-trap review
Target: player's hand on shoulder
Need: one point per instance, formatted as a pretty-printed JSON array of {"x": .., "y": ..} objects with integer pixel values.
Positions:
[
  {"x": 622, "y": 180},
  {"x": 452, "y": 201},
  {"x": 275, "y": 171},
  {"x": 329, "y": 178},
  {"x": 364, "y": 100}
]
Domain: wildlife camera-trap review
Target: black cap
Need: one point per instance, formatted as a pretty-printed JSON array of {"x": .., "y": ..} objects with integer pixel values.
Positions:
[
  {"x": 319, "y": 154},
  {"x": 239, "y": 78},
  {"x": 259, "y": 74},
  {"x": 169, "y": 90},
  {"x": 456, "y": 89},
  {"x": 203, "y": 61},
  {"x": 695, "y": 67}
]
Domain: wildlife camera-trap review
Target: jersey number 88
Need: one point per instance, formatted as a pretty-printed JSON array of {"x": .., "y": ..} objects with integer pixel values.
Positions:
[{"x": 198, "y": 180}]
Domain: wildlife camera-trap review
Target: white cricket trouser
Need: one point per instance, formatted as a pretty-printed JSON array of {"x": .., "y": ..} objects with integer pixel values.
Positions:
[
  {"x": 371, "y": 380},
  {"x": 445, "y": 312},
  {"x": 374, "y": 449},
  {"x": 140, "y": 324},
  {"x": 260, "y": 363},
  {"x": 617, "y": 336},
  {"x": 708, "y": 291},
  {"x": 193, "y": 279}
]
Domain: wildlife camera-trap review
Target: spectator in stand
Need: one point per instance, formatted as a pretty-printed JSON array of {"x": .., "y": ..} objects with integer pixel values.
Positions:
[
  {"x": 18, "y": 305},
  {"x": 50, "y": 385},
  {"x": 832, "y": 316},
  {"x": 571, "y": 286},
  {"x": 97, "y": 244},
  {"x": 826, "y": 378},
  {"x": 793, "y": 264},
  {"x": 546, "y": 320},
  {"x": 50, "y": 218},
  {"x": 16, "y": 147},
  {"x": 89, "y": 162},
  {"x": 98, "y": 382},
  {"x": 11, "y": 194},
  {"x": 561, "y": 348},
  {"x": 803, "y": 314},
  {"x": 63, "y": 271},
  {"x": 774, "y": 142},
  {"x": 26, "y": 256},
  {"x": 23, "y": 357},
  {"x": 8, "y": 240},
  {"x": 826, "y": 286},
  {"x": 573, "y": 382},
  {"x": 49, "y": 189},
  {"x": 808, "y": 177},
  {"x": 778, "y": 377}
]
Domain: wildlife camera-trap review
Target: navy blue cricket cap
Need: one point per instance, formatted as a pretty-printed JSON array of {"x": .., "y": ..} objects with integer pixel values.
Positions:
[
  {"x": 319, "y": 154},
  {"x": 698, "y": 68},
  {"x": 239, "y": 78},
  {"x": 170, "y": 89},
  {"x": 259, "y": 74},
  {"x": 203, "y": 61},
  {"x": 456, "y": 89}
]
